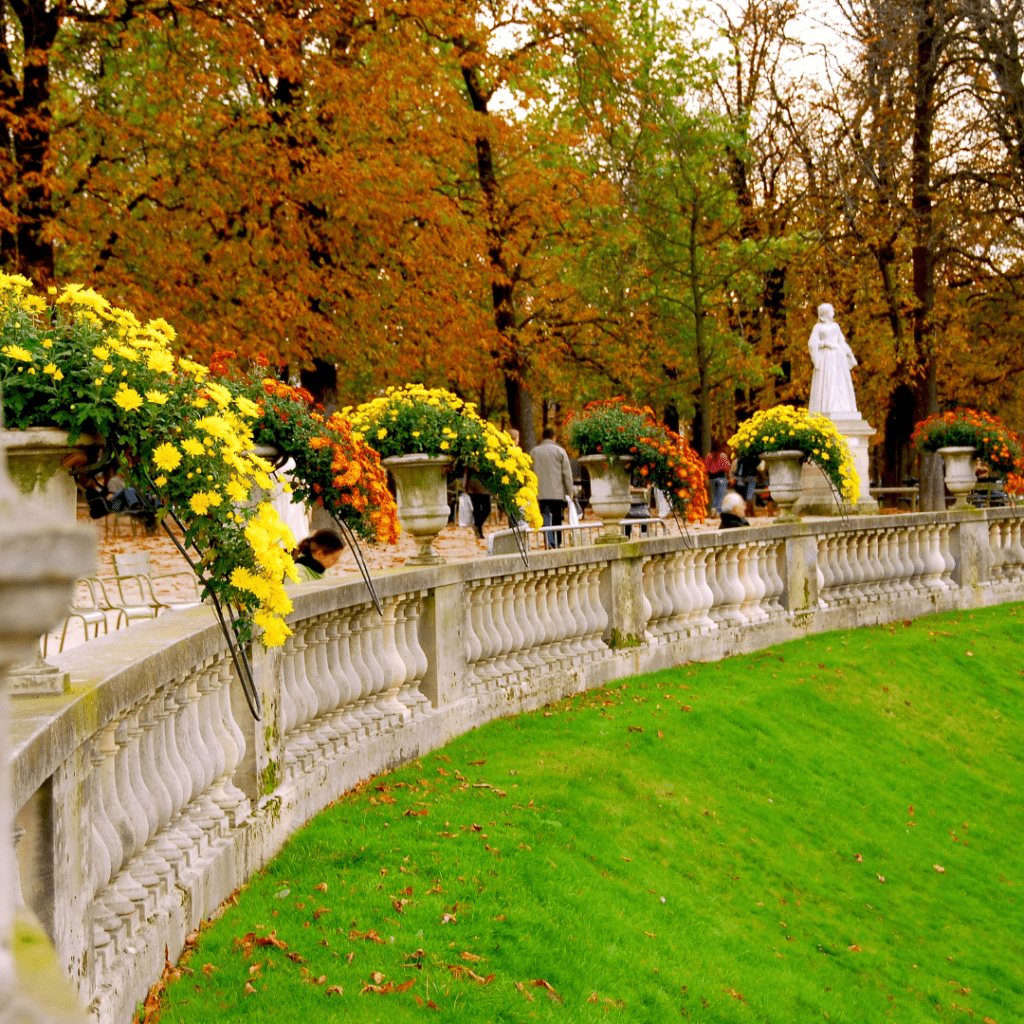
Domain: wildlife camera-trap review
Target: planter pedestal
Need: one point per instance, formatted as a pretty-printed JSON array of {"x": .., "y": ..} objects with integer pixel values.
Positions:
[
  {"x": 959, "y": 475},
  {"x": 609, "y": 493},
  {"x": 421, "y": 482},
  {"x": 35, "y": 460},
  {"x": 818, "y": 498},
  {"x": 785, "y": 482}
]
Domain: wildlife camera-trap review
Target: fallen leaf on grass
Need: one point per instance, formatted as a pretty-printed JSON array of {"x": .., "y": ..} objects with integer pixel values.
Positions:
[
  {"x": 416, "y": 814},
  {"x": 881, "y": 878},
  {"x": 322, "y": 887},
  {"x": 370, "y": 936},
  {"x": 208, "y": 969},
  {"x": 471, "y": 956},
  {"x": 399, "y": 905},
  {"x": 250, "y": 940},
  {"x": 551, "y": 993},
  {"x": 335, "y": 990},
  {"x": 592, "y": 998},
  {"x": 858, "y": 858},
  {"x": 484, "y": 761},
  {"x": 650, "y": 935},
  {"x": 522, "y": 988},
  {"x": 350, "y": 957},
  {"x": 661, "y": 735},
  {"x": 938, "y": 867},
  {"x": 734, "y": 994},
  {"x": 686, "y": 707},
  {"x": 626, "y": 858},
  {"x": 319, "y": 912},
  {"x": 249, "y": 990},
  {"x": 635, "y": 728},
  {"x": 449, "y": 919},
  {"x": 988, "y": 1020},
  {"x": 295, "y": 958},
  {"x": 430, "y": 1003},
  {"x": 855, "y": 949}
]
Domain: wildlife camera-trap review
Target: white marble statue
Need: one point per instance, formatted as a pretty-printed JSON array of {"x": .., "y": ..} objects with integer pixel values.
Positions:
[{"x": 831, "y": 384}]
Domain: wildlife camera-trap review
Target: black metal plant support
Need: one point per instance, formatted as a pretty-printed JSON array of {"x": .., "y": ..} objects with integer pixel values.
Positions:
[
  {"x": 120, "y": 503},
  {"x": 357, "y": 553}
]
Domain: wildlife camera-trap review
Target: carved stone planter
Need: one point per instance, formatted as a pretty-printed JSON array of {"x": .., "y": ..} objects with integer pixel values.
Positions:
[
  {"x": 609, "y": 493},
  {"x": 421, "y": 481},
  {"x": 959, "y": 475},
  {"x": 784, "y": 482},
  {"x": 36, "y": 461}
]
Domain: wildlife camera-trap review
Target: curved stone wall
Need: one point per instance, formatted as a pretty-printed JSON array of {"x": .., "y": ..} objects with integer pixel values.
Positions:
[{"x": 148, "y": 794}]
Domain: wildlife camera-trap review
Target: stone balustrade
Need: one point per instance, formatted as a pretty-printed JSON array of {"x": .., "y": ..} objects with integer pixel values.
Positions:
[{"x": 147, "y": 794}]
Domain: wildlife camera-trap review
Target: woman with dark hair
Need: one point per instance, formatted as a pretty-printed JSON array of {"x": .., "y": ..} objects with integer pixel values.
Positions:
[{"x": 316, "y": 554}]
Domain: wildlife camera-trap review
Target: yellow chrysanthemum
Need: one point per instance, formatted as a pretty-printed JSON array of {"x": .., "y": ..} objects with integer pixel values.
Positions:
[
  {"x": 193, "y": 446},
  {"x": 128, "y": 399},
  {"x": 166, "y": 457},
  {"x": 156, "y": 397}
]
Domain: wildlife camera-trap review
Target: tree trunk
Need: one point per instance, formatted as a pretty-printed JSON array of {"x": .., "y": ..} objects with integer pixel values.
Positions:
[
  {"x": 322, "y": 383},
  {"x": 923, "y": 255},
  {"x": 520, "y": 411}
]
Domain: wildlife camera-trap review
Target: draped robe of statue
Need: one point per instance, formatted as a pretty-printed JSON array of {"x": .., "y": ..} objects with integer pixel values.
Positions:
[
  {"x": 832, "y": 395},
  {"x": 833, "y": 359}
]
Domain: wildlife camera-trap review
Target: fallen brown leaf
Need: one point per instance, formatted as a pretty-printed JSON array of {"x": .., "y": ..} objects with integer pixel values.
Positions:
[
  {"x": 938, "y": 867},
  {"x": 335, "y": 990},
  {"x": 855, "y": 949},
  {"x": 734, "y": 994},
  {"x": 322, "y": 887},
  {"x": 249, "y": 990}
]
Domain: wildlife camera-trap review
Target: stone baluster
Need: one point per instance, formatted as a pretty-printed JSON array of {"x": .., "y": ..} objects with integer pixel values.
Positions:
[
  {"x": 887, "y": 571},
  {"x": 547, "y": 624},
  {"x": 674, "y": 578},
  {"x": 207, "y": 713},
  {"x": 580, "y": 648},
  {"x": 654, "y": 608},
  {"x": 524, "y": 603},
  {"x": 236, "y": 803},
  {"x": 490, "y": 638},
  {"x": 382, "y": 672},
  {"x": 501, "y": 663},
  {"x": 826, "y": 572},
  {"x": 946, "y": 553},
  {"x": 757, "y": 577},
  {"x": 590, "y": 595},
  {"x": 351, "y": 668},
  {"x": 713, "y": 559},
  {"x": 566, "y": 622},
  {"x": 326, "y": 688},
  {"x": 916, "y": 546},
  {"x": 161, "y": 856},
  {"x": 875, "y": 574},
  {"x": 291, "y": 708},
  {"x": 904, "y": 561},
  {"x": 409, "y": 675},
  {"x": 687, "y": 592},
  {"x": 1016, "y": 548},
  {"x": 857, "y": 554},
  {"x": 340, "y": 721},
  {"x": 705, "y": 596},
  {"x": 733, "y": 592},
  {"x": 305, "y": 737},
  {"x": 203, "y": 744},
  {"x": 394, "y": 669},
  {"x": 374, "y": 676},
  {"x": 162, "y": 782},
  {"x": 475, "y": 639},
  {"x": 935, "y": 566},
  {"x": 995, "y": 535},
  {"x": 844, "y": 570},
  {"x": 411, "y": 695},
  {"x": 184, "y": 833},
  {"x": 513, "y": 660}
]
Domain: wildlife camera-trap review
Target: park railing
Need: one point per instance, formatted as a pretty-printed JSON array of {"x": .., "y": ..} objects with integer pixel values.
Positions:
[{"x": 147, "y": 794}]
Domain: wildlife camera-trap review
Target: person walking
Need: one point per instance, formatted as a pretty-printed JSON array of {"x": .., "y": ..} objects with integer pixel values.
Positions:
[
  {"x": 554, "y": 482},
  {"x": 718, "y": 465}
]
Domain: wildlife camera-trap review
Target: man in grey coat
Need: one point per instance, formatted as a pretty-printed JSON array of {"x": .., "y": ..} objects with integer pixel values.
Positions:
[{"x": 554, "y": 482}]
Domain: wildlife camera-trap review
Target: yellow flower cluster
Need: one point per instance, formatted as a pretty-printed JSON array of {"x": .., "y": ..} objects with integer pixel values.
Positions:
[
  {"x": 415, "y": 418},
  {"x": 199, "y": 460},
  {"x": 785, "y": 427}
]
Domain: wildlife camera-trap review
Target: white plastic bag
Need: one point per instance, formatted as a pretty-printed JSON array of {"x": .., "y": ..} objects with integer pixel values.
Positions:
[
  {"x": 661, "y": 503},
  {"x": 574, "y": 516},
  {"x": 465, "y": 510}
]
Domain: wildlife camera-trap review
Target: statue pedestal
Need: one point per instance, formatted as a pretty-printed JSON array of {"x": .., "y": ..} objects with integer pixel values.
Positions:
[{"x": 817, "y": 498}]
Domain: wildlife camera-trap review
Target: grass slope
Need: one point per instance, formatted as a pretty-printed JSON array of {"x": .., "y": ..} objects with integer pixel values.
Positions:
[{"x": 752, "y": 840}]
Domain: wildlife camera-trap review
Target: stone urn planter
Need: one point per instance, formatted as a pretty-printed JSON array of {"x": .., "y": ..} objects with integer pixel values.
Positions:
[
  {"x": 784, "y": 482},
  {"x": 39, "y": 460},
  {"x": 421, "y": 482},
  {"x": 959, "y": 475},
  {"x": 609, "y": 493}
]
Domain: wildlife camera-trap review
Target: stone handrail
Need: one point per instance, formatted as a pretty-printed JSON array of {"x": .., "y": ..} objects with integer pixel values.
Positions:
[{"x": 147, "y": 794}]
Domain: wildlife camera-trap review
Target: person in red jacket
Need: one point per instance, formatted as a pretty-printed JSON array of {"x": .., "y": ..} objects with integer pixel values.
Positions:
[{"x": 719, "y": 465}]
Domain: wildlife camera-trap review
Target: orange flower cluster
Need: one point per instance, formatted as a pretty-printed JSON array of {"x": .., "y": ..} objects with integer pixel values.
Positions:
[
  {"x": 995, "y": 443},
  {"x": 332, "y": 468},
  {"x": 660, "y": 456}
]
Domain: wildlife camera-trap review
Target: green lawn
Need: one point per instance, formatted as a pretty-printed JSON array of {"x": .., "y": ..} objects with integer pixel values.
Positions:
[{"x": 829, "y": 829}]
